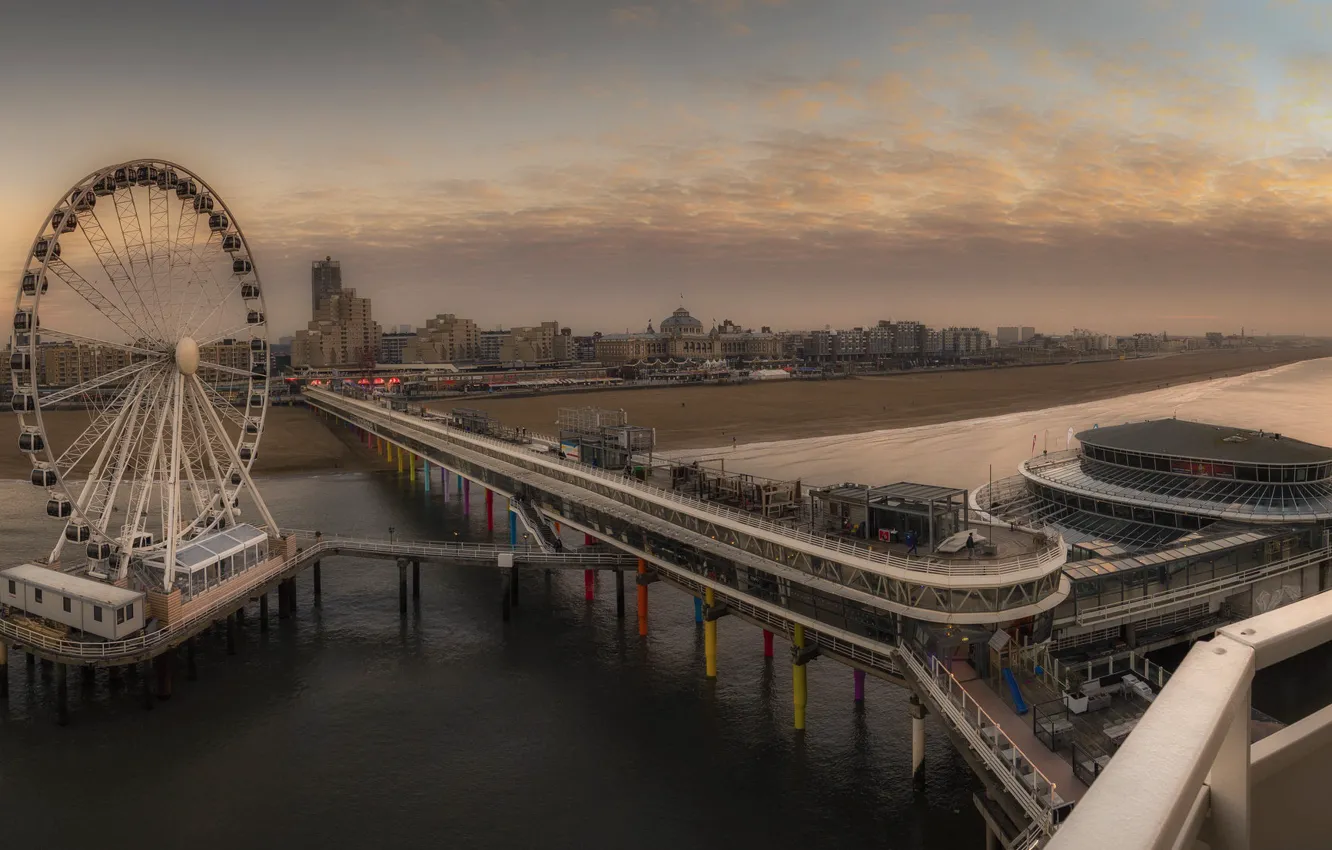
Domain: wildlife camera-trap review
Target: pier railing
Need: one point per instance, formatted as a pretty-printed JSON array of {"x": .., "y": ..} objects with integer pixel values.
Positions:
[
  {"x": 447, "y": 548},
  {"x": 1023, "y": 779},
  {"x": 228, "y": 595},
  {"x": 1048, "y": 557},
  {"x": 226, "y": 598}
]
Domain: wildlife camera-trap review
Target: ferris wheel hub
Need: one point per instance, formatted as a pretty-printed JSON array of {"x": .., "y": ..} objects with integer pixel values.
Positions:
[{"x": 187, "y": 355}]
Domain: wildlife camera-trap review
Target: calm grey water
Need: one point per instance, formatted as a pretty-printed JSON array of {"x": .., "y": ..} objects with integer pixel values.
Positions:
[{"x": 350, "y": 727}]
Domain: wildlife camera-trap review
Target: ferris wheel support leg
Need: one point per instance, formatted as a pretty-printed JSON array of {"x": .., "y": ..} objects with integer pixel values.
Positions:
[{"x": 269, "y": 523}]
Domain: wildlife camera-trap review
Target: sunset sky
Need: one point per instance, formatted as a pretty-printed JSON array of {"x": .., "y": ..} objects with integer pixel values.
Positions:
[{"x": 1128, "y": 166}]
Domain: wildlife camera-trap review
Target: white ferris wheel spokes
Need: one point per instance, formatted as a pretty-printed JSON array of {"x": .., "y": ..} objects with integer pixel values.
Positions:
[{"x": 139, "y": 369}]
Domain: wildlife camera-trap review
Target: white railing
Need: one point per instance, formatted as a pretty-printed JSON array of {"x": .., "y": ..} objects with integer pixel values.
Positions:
[
  {"x": 246, "y": 582},
  {"x": 1188, "y": 772},
  {"x": 244, "y": 585},
  {"x": 1048, "y": 558},
  {"x": 1031, "y": 788},
  {"x": 1200, "y": 590}
]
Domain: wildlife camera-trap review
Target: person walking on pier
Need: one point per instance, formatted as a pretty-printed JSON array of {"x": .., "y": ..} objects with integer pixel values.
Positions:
[
  {"x": 971, "y": 545},
  {"x": 911, "y": 542}
]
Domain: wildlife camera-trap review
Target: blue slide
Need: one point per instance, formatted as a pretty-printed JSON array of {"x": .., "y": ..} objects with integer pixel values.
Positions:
[{"x": 1018, "y": 702}]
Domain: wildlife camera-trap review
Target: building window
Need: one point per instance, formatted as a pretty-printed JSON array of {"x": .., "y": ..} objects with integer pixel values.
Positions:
[
  {"x": 120, "y": 615},
  {"x": 129, "y": 611},
  {"x": 64, "y": 603},
  {"x": 13, "y": 588},
  {"x": 37, "y": 594},
  {"x": 97, "y": 613}
]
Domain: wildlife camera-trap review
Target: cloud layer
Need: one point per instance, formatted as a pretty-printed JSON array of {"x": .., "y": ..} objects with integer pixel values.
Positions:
[{"x": 789, "y": 165}]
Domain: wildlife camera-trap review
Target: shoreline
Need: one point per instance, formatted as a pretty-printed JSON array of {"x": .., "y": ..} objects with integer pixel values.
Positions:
[
  {"x": 708, "y": 417},
  {"x": 692, "y": 418}
]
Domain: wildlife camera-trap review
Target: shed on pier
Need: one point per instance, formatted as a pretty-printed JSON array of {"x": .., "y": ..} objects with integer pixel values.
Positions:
[
  {"x": 211, "y": 559},
  {"x": 90, "y": 606},
  {"x": 930, "y": 511}
]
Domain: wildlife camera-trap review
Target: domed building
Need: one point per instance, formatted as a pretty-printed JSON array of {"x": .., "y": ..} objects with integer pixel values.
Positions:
[
  {"x": 682, "y": 337},
  {"x": 1175, "y": 528},
  {"x": 680, "y": 323}
]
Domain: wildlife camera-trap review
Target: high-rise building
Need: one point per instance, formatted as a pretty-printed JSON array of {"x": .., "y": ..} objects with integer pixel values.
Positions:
[
  {"x": 489, "y": 344},
  {"x": 342, "y": 333},
  {"x": 325, "y": 281},
  {"x": 444, "y": 339},
  {"x": 529, "y": 344},
  {"x": 394, "y": 346}
]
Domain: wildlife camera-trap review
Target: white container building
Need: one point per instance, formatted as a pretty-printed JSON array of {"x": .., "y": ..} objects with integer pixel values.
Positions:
[{"x": 90, "y": 606}]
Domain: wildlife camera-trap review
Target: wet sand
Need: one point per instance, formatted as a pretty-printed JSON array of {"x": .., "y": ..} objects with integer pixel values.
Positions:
[
  {"x": 711, "y": 416},
  {"x": 294, "y": 440}
]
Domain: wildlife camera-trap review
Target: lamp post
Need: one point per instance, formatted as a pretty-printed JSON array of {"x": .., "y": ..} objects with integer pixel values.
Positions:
[{"x": 391, "y": 530}]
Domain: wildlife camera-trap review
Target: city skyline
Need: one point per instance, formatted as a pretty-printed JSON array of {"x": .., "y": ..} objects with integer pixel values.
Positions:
[{"x": 1149, "y": 167}]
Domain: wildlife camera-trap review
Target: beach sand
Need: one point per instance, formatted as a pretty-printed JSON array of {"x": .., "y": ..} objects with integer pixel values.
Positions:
[
  {"x": 709, "y": 416},
  {"x": 295, "y": 440}
]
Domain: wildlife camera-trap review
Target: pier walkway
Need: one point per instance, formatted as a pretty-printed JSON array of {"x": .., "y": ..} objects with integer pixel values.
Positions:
[
  {"x": 313, "y": 547},
  {"x": 831, "y": 597}
]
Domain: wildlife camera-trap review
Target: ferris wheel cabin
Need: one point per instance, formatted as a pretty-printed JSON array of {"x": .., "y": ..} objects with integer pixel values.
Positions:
[
  {"x": 63, "y": 223},
  {"x": 30, "y": 283},
  {"x": 43, "y": 475},
  {"x": 78, "y": 603},
  {"x": 45, "y": 246}
]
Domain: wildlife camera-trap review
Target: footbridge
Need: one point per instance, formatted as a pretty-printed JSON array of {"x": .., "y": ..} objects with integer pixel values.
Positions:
[{"x": 830, "y": 596}]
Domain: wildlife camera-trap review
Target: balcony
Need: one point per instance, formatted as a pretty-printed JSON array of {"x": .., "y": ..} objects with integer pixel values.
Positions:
[{"x": 1189, "y": 776}]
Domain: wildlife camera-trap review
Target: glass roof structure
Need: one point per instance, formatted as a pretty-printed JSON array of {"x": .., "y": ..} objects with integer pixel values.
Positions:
[{"x": 212, "y": 548}]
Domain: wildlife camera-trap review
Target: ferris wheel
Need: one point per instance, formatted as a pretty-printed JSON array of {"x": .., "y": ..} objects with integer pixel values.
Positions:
[{"x": 139, "y": 368}]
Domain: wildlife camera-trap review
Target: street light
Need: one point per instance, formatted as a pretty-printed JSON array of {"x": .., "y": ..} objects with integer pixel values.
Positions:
[{"x": 391, "y": 530}]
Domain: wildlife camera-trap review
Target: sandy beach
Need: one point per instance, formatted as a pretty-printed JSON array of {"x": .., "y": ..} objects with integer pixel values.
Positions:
[
  {"x": 710, "y": 416},
  {"x": 296, "y": 441}
]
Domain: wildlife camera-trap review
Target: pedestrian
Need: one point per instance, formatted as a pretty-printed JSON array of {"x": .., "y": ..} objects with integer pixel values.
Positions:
[
  {"x": 971, "y": 545},
  {"x": 911, "y": 542}
]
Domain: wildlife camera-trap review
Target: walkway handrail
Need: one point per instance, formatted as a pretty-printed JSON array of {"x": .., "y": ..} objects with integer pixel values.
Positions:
[
  {"x": 114, "y": 648},
  {"x": 973, "y": 722},
  {"x": 249, "y": 580},
  {"x": 1051, "y": 555},
  {"x": 1189, "y": 765}
]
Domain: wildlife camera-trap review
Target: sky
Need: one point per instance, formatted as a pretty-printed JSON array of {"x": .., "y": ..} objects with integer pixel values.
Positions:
[{"x": 1141, "y": 165}]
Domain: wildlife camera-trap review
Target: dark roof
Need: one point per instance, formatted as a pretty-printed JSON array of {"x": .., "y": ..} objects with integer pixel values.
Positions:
[
  {"x": 1201, "y": 441},
  {"x": 904, "y": 491}
]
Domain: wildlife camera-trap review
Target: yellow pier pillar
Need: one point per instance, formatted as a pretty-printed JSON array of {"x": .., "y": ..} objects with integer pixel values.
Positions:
[
  {"x": 398, "y": 451},
  {"x": 710, "y": 636},
  {"x": 411, "y": 465},
  {"x": 798, "y": 680}
]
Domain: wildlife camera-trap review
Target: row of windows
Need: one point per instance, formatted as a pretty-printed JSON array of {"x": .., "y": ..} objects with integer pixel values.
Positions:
[
  {"x": 66, "y": 604},
  {"x": 1187, "y": 466},
  {"x": 1147, "y": 516}
]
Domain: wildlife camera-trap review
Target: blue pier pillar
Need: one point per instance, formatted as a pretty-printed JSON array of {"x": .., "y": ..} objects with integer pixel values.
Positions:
[
  {"x": 444, "y": 481},
  {"x": 513, "y": 527},
  {"x": 698, "y": 609},
  {"x": 425, "y": 473}
]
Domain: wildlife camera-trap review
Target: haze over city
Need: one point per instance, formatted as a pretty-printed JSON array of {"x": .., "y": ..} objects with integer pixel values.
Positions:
[{"x": 1136, "y": 166}]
